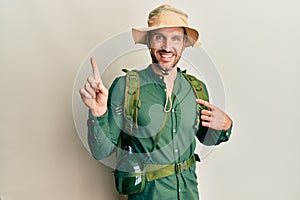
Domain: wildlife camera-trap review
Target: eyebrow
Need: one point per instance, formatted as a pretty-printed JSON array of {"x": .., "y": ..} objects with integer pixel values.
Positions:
[{"x": 158, "y": 33}]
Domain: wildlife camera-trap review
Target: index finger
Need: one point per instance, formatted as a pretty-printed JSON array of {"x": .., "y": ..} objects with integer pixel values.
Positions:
[
  {"x": 205, "y": 103},
  {"x": 95, "y": 68}
]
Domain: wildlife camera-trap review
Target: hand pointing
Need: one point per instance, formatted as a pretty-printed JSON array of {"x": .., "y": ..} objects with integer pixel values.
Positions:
[{"x": 94, "y": 94}]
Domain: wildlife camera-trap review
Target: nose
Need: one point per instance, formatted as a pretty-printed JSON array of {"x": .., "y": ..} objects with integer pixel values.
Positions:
[{"x": 167, "y": 45}]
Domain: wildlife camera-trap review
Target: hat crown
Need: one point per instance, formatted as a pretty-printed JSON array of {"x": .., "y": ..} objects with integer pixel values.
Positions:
[{"x": 167, "y": 15}]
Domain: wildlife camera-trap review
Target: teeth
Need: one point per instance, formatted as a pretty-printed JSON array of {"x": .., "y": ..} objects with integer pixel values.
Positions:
[{"x": 166, "y": 56}]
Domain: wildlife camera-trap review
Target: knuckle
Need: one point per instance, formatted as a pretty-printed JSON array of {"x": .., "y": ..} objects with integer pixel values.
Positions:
[{"x": 90, "y": 79}]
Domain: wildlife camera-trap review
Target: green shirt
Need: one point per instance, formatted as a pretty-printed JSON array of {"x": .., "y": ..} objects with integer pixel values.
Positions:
[{"x": 177, "y": 142}]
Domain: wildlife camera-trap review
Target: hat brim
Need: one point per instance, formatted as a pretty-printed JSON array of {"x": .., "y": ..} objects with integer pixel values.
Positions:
[{"x": 139, "y": 35}]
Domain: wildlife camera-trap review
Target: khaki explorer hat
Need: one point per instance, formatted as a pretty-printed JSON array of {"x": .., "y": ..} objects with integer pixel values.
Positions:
[{"x": 166, "y": 16}]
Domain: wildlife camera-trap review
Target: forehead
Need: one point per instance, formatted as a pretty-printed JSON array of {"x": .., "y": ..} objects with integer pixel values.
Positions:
[{"x": 169, "y": 30}]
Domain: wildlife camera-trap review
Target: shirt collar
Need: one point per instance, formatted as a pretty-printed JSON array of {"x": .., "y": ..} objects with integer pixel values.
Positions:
[{"x": 160, "y": 78}]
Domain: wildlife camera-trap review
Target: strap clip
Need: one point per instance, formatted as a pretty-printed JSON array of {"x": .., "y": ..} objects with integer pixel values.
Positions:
[{"x": 178, "y": 168}]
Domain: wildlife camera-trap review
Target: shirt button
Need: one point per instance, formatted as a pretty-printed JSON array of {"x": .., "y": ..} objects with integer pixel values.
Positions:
[
  {"x": 179, "y": 190},
  {"x": 173, "y": 110},
  {"x": 174, "y": 130},
  {"x": 160, "y": 77},
  {"x": 176, "y": 150}
]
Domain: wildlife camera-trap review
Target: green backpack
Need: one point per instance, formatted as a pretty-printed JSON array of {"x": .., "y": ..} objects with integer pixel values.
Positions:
[{"x": 134, "y": 182}]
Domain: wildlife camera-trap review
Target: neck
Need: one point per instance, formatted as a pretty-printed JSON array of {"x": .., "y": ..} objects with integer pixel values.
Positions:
[{"x": 169, "y": 76}]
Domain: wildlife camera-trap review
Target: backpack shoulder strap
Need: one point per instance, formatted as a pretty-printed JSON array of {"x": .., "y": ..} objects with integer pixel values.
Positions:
[
  {"x": 197, "y": 86},
  {"x": 131, "y": 99},
  {"x": 201, "y": 93}
]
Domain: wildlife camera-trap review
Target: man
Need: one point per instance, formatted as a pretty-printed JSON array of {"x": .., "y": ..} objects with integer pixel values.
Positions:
[{"x": 168, "y": 106}]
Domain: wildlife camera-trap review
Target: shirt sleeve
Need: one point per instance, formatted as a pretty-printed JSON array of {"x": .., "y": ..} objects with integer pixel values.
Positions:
[
  {"x": 104, "y": 131},
  {"x": 209, "y": 137}
]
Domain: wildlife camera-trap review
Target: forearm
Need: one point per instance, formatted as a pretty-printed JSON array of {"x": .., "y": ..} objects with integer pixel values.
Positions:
[
  {"x": 209, "y": 136},
  {"x": 99, "y": 138},
  {"x": 104, "y": 131}
]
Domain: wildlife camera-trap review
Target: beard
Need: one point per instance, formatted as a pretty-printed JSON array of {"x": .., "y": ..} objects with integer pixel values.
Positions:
[{"x": 164, "y": 70}]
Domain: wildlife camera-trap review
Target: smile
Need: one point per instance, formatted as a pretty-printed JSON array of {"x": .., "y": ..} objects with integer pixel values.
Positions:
[{"x": 166, "y": 56}]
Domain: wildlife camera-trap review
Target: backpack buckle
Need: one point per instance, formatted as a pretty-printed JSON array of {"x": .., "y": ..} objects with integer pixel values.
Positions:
[
  {"x": 132, "y": 83},
  {"x": 178, "y": 168}
]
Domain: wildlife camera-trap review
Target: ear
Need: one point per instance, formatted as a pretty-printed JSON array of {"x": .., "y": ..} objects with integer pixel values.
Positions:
[
  {"x": 185, "y": 42},
  {"x": 148, "y": 35}
]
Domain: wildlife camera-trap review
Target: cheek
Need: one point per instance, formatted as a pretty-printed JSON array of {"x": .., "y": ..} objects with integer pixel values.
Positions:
[
  {"x": 179, "y": 50},
  {"x": 155, "y": 45},
  {"x": 153, "y": 51}
]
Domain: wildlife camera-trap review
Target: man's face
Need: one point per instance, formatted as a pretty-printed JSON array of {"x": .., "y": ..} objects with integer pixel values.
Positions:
[{"x": 166, "y": 46}]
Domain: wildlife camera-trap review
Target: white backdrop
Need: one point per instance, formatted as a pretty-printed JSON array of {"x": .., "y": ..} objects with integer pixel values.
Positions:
[{"x": 254, "y": 44}]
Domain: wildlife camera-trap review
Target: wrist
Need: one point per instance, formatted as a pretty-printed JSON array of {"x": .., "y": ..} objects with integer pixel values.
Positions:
[
  {"x": 227, "y": 124},
  {"x": 98, "y": 112}
]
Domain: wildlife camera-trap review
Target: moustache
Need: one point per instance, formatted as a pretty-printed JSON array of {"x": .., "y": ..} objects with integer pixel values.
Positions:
[{"x": 162, "y": 51}]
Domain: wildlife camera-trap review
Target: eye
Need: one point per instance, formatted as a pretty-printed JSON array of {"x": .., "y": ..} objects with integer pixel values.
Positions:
[
  {"x": 176, "y": 39},
  {"x": 159, "y": 37}
]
